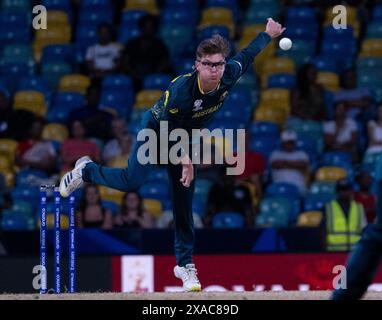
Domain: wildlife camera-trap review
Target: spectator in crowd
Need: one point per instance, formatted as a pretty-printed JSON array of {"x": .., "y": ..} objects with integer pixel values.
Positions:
[
  {"x": 120, "y": 161},
  {"x": 226, "y": 195},
  {"x": 77, "y": 145},
  {"x": 344, "y": 219},
  {"x": 374, "y": 133},
  {"x": 14, "y": 124},
  {"x": 307, "y": 99},
  {"x": 341, "y": 134},
  {"x": 289, "y": 164},
  {"x": 103, "y": 57},
  {"x": 97, "y": 122},
  {"x": 113, "y": 147},
  {"x": 35, "y": 152},
  {"x": 91, "y": 213},
  {"x": 147, "y": 53},
  {"x": 132, "y": 214},
  {"x": 356, "y": 100},
  {"x": 254, "y": 168},
  {"x": 365, "y": 197}
]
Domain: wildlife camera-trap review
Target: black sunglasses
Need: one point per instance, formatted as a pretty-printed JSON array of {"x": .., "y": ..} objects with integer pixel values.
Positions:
[{"x": 210, "y": 64}]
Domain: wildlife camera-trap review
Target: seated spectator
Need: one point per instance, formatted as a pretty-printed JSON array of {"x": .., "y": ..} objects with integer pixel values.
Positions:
[
  {"x": 91, "y": 213},
  {"x": 374, "y": 133},
  {"x": 103, "y": 57},
  {"x": 307, "y": 99},
  {"x": 147, "y": 53},
  {"x": 14, "y": 124},
  {"x": 120, "y": 161},
  {"x": 341, "y": 134},
  {"x": 113, "y": 147},
  {"x": 254, "y": 167},
  {"x": 356, "y": 100},
  {"x": 97, "y": 122},
  {"x": 35, "y": 152},
  {"x": 132, "y": 214},
  {"x": 226, "y": 195},
  {"x": 76, "y": 146},
  {"x": 289, "y": 164},
  {"x": 344, "y": 219},
  {"x": 365, "y": 197}
]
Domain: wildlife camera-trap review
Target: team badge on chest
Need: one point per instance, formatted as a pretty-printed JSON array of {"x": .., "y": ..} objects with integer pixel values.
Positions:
[{"x": 198, "y": 105}]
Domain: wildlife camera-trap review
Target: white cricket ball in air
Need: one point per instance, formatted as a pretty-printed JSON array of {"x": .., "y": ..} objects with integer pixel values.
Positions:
[{"x": 285, "y": 43}]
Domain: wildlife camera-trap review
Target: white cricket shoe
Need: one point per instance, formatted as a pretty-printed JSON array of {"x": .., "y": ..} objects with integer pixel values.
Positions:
[
  {"x": 188, "y": 274},
  {"x": 72, "y": 180}
]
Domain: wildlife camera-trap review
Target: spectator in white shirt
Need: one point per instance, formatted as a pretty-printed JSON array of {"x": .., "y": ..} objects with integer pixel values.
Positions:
[
  {"x": 288, "y": 164},
  {"x": 341, "y": 134},
  {"x": 374, "y": 132},
  {"x": 103, "y": 57}
]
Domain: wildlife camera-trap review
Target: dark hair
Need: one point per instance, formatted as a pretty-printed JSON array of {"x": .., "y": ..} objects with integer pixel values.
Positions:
[
  {"x": 82, "y": 204},
  {"x": 140, "y": 205},
  {"x": 215, "y": 44}
]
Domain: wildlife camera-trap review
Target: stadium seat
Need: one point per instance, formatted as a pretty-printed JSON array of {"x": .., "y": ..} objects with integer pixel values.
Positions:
[
  {"x": 264, "y": 145},
  {"x": 15, "y": 221},
  {"x": 261, "y": 128},
  {"x": 332, "y": 158},
  {"x": 32, "y": 101},
  {"x": 117, "y": 81},
  {"x": 112, "y": 206},
  {"x": 74, "y": 83},
  {"x": 52, "y": 35},
  {"x": 54, "y": 71},
  {"x": 17, "y": 5},
  {"x": 316, "y": 202},
  {"x": 58, "y": 52},
  {"x": 374, "y": 30},
  {"x": 17, "y": 53},
  {"x": 157, "y": 190},
  {"x": 231, "y": 220},
  {"x": 280, "y": 80},
  {"x": 329, "y": 80},
  {"x": 217, "y": 16},
  {"x": 283, "y": 189},
  {"x": 271, "y": 114},
  {"x": 8, "y": 149},
  {"x": 274, "y": 66},
  {"x": 274, "y": 212},
  {"x": 96, "y": 16},
  {"x": 325, "y": 63},
  {"x": 147, "y": 98},
  {"x": 202, "y": 189},
  {"x": 322, "y": 187},
  {"x": 310, "y": 219},
  {"x": 55, "y": 131},
  {"x": 371, "y": 48},
  {"x": 156, "y": 82},
  {"x": 153, "y": 207},
  {"x": 25, "y": 177},
  {"x": 113, "y": 195},
  {"x": 146, "y": 5},
  {"x": 330, "y": 173},
  {"x": 117, "y": 101},
  {"x": 57, "y": 18},
  {"x": 35, "y": 83}
]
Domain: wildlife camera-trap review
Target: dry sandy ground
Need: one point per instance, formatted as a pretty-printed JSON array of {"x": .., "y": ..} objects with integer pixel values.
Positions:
[{"x": 268, "y": 295}]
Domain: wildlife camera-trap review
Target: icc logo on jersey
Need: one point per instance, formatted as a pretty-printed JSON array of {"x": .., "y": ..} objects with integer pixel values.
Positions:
[{"x": 197, "y": 105}]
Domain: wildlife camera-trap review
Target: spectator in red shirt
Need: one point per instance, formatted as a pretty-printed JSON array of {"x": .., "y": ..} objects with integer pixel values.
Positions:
[
  {"x": 365, "y": 197},
  {"x": 77, "y": 146}
]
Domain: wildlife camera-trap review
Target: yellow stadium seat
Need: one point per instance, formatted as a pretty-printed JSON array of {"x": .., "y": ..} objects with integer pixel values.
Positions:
[
  {"x": 250, "y": 32},
  {"x": 329, "y": 80},
  {"x": 351, "y": 18},
  {"x": 276, "y": 65},
  {"x": 147, "y": 98},
  {"x": 153, "y": 207},
  {"x": 275, "y": 97},
  {"x": 110, "y": 194},
  {"x": 5, "y": 164},
  {"x": 371, "y": 48},
  {"x": 9, "y": 179},
  {"x": 57, "y": 18},
  {"x": 8, "y": 148},
  {"x": 330, "y": 173},
  {"x": 33, "y": 101},
  {"x": 52, "y": 35},
  {"x": 74, "y": 83},
  {"x": 217, "y": 16},
  {"x": 64, "y": 221},
  {"x": 55, "y": 131},
  {"x": 309, "y": 219},
  {"x": 271, "y": 114},
  {"x": 145, "y": 5}
]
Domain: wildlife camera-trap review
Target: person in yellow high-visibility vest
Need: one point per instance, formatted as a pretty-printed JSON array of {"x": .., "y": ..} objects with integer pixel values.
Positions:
[{"x": 345, "y": 219}]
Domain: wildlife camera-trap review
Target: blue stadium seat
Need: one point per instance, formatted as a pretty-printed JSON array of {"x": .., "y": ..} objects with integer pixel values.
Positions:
[
  {"x": 14, "y": 36},
  {"x": 19, "y": 5},
  {"x": 333, "y": 158},
  {"x": 61, "y": 5},
  {"x": 307, "y": 14},
  {"x": 120, "y": 101},
  {"x": 71, "y": 99},
  {"x": 110, "y": 205},
  {"x": 53, "y": 71},
  {"x": 13, "y": 72},
  {"x": 274, "y": 212},
  {"x": 377, "y": 13},
  {"x": 26, "y": 176},
  {"x": 202, "y": 189},
  {"x": 86, "y": 35},
  {"x": 58, "y": 52},
  {"x": 126, "y": 34},
  {"x": 181, "y": 4},
  {"x": 301, "y": 31},
  {"x": 157, "y": 81},
  {"x": 26, "y": 193},
  {"x": 36, "y": 83},
  {"x": 262, "y": 128},
  {"x": 86, "y": 4},
  {"x": 325, "y": 63},
  {"x": 322, "y": 187},
  {"x": 117, "y": 81},
  {"x": 374, "y": 30},
  {"x": 179, "y": 17},
  {"x": 130, "y": 18},
  {"x": 158, "y": 175},
  {"x": 280, "y": 80},
  {"x": 209, "y": 31},
  {"x": 17, "y": 53},
  {"x": 14, "y": 19},
  {"x": 338, "y": 35},
  {"x": 228, "y": 220},
  {"x": 258, "y": 12},
  {"x": 96, "y": 16},
  {"x": 264, "y": 145},
  {"x": 198, "y": 207},
  {"x": 15, "y": 221},
  {"x": 158, "y": 190},
  {"x": 283, "y": 189},
  {"x": 185, "y": 65},
  {"x": 316, "y": 202}
]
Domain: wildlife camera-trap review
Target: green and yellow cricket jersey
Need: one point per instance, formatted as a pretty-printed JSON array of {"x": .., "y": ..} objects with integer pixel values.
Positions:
[{"x": 185, "y": 105}]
